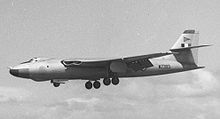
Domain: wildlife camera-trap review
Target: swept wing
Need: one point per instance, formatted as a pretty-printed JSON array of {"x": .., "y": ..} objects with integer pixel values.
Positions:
[{"x": 117, "y": 65}]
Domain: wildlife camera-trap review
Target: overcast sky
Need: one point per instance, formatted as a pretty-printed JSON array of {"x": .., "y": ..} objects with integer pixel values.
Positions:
[{"x": 108, "y": 29}]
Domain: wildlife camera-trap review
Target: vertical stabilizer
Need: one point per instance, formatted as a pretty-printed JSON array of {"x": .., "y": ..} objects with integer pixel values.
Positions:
[{"x": 186, "y": 56}]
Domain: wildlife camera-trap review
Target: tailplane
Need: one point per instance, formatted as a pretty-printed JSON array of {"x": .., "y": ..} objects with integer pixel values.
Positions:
[{"x": 185, "y": 49}]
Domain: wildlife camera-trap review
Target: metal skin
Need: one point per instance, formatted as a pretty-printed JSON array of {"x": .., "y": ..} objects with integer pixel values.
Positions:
[
  {"x": 53, "y": 69},
  {"x": 178, "y": 59}
]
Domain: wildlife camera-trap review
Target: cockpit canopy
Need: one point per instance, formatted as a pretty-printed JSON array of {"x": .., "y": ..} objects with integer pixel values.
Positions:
[{"x": 33, "y": 60}]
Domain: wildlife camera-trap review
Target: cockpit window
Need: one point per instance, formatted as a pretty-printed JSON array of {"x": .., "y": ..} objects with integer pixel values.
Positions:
[
  {"x": 31, "y": 60},
  {"x": 36, "y": 59},
  {"x": 27, "y": 61}
]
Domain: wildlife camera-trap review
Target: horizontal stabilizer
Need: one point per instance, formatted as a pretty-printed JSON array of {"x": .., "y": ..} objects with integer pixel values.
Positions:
[{"x": 190, "y": 47}]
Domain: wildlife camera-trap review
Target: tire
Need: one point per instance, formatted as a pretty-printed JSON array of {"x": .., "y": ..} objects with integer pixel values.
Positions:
[
  {"x": 115, "y": 80},
  {"x": 88, "y": 85},
  {"x": 106, "y": 81},
  {"x": 56, "y": 84},
  {"x": 96, "y": 84}
]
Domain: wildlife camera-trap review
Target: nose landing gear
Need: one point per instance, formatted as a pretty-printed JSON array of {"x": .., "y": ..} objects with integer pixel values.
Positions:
[{"x": 56, "y": 84}]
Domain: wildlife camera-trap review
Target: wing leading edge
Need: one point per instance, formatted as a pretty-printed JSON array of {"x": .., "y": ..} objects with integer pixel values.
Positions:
[{"x": 136, "y": 62}]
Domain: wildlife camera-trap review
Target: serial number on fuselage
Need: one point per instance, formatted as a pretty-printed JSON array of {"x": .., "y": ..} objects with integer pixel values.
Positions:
[{"x": 164, "y": 66}]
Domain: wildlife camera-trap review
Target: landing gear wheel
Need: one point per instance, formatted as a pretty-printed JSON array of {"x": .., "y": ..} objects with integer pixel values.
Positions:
[
  {"x": 96, "y": 84},
  {"x": 56, "y": 84},
  {"x": 106, "y": 81},
  {"x": 115, "y": 80},
  {"x": 88, "y": 85}
]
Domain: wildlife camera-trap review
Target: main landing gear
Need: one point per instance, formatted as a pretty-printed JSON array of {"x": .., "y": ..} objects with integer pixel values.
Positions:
[
  {"x": 88, "y": 85},
  {"x": 95, "y": 84},
  {"x": 115, "y": 81},
  {"x": 106, "y": 81}
]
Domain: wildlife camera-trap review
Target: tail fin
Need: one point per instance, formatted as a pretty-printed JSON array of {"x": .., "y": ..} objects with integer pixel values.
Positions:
[{"x": 185, "y": 49}]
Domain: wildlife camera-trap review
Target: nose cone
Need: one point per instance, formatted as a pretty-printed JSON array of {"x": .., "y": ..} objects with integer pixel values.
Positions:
[
  {"x": 20, "y": 71},
  {"x": 14, "y": 72}
]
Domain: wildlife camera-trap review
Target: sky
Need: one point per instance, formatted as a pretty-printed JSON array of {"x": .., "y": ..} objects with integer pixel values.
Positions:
[{"x": 108, "y": 29}]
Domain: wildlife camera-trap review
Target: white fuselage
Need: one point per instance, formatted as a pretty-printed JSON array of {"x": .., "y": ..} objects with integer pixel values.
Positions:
[{"x": 53, "y": 69}]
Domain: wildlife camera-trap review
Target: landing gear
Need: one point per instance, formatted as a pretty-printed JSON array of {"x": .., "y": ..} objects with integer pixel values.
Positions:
[
  {"x": 88, "y": 85},
  {"x": 106, "y": 81},
  {"x": 115, "y": 80},
  {"x": 96, "y": 84},
  {"x": 56, "y": 84}
]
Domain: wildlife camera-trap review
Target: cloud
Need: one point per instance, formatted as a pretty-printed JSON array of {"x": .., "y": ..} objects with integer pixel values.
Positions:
[
  {"x": 196, "y": 97},
  {"x": 203, "y": 83},
  {"x": 193, "y": 83},
  {"x": 11, "y": 94},
  {"x": 81, "y": 100},
  {"x": 75, "y": 104}
]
